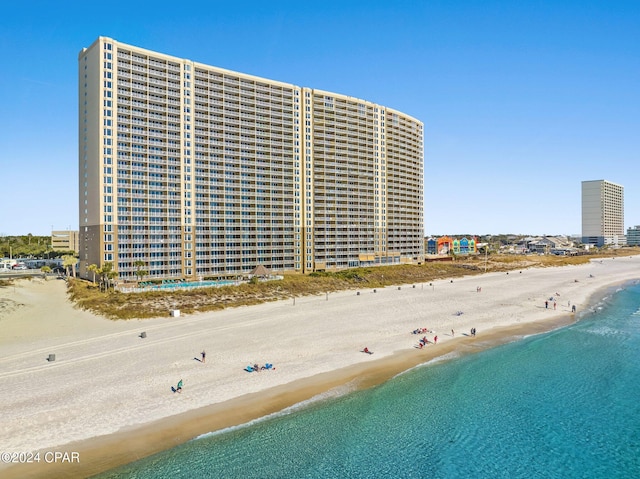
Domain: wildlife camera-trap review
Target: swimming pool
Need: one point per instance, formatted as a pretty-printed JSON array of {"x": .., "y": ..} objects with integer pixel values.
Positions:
[{"x": 178, "y": 285}]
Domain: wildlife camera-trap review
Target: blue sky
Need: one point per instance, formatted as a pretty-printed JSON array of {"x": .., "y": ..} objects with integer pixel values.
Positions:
[{"x": 521, "y": 100}]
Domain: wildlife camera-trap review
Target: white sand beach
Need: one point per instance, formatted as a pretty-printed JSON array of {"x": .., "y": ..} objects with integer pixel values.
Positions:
[{"x": 108, "y": 394}]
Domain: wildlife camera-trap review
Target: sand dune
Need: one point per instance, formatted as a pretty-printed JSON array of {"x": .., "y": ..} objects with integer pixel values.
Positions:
[{"x": 109, "y": 386}]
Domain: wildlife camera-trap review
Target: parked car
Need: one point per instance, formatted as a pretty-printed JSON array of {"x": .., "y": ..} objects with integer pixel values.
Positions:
[{"x": 18, "y": 266}]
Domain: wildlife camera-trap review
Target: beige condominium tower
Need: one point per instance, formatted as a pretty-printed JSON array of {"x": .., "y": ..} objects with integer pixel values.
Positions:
[
  {"x": 199, "y": 172},
  {"x": 602, "y": 213}
]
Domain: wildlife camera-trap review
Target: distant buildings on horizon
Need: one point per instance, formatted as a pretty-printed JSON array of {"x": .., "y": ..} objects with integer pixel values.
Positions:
[
  {"x": 64, "y": 240},
  {"x": 447, "y": 245},
  {"x": 602, "y": 213},
  {"x": 602, "y": 219},
  {"x": 633, "y": 236}
]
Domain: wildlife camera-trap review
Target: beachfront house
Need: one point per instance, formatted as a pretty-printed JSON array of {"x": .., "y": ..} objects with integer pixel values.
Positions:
[{"x": 548, "y": 244}]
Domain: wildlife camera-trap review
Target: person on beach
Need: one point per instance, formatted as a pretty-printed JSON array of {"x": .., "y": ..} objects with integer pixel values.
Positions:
[
  {"x": 453, "y": 334},
  {"x": 179, "y": 387},
  {"x": 204, "y": 355},
  {"x": 554, "y": 305},
  {"x": 573, "y": 308},
  {"x": 435, "y": 340},
  {"x": 546, "y": 305}
]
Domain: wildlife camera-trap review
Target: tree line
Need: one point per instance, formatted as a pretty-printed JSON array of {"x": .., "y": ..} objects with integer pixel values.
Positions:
[{"x": 29, "y": 246}]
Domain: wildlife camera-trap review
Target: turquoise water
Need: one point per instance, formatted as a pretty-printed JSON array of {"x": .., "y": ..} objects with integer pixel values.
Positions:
[
  {"x": 565, "y": 404},
  {"x": 181, "y": 285},
  {"x": 195, "y": 284}
]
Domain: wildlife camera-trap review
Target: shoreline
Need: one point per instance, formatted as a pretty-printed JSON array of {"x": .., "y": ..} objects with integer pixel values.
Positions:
[
  {"x": 135, "y": 441},
  {"x": 100, "y": 454}
]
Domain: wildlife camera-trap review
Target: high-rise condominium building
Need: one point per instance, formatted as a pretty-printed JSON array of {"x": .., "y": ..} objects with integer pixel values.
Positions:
[
  {"x": 192, "y": 171},
  {"x": 602, "y": 213}
]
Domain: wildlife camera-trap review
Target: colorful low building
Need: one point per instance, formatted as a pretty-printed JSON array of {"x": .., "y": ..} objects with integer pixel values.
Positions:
[
  {"x": 445, "y": 245},
  {"x": 464, "y": 246}
]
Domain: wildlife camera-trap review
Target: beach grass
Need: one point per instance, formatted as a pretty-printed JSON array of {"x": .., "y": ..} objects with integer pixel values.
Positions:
[{"x": 117, "y": 305}]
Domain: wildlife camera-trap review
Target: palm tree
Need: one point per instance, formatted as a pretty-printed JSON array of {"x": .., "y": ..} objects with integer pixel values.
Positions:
[
  {"x": 100, "y": 272},
  {"x": 110, "y": 276},
  {"x": 69, "y": 261},
  {"x": 140, "y": 273},
  {"x": 45, "y": 270},
  {"x": 93, "y": 268},
  {"x": 107, "y": 273}
]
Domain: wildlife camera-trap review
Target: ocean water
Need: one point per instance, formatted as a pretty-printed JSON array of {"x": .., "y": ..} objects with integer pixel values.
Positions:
[{"x": 565, "y": 404}]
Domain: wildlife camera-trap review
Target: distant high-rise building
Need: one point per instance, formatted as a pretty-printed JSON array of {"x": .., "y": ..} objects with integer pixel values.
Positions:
[
  {"x": 200, "y": 172},
  {"x": 633, "y": 236},
  {"x": 64, "y": 240},
  {"x": 602, "y": 213}
]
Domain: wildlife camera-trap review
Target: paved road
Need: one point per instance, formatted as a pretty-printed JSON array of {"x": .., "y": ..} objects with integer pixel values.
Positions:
[{"x": 23, "y": 273}]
